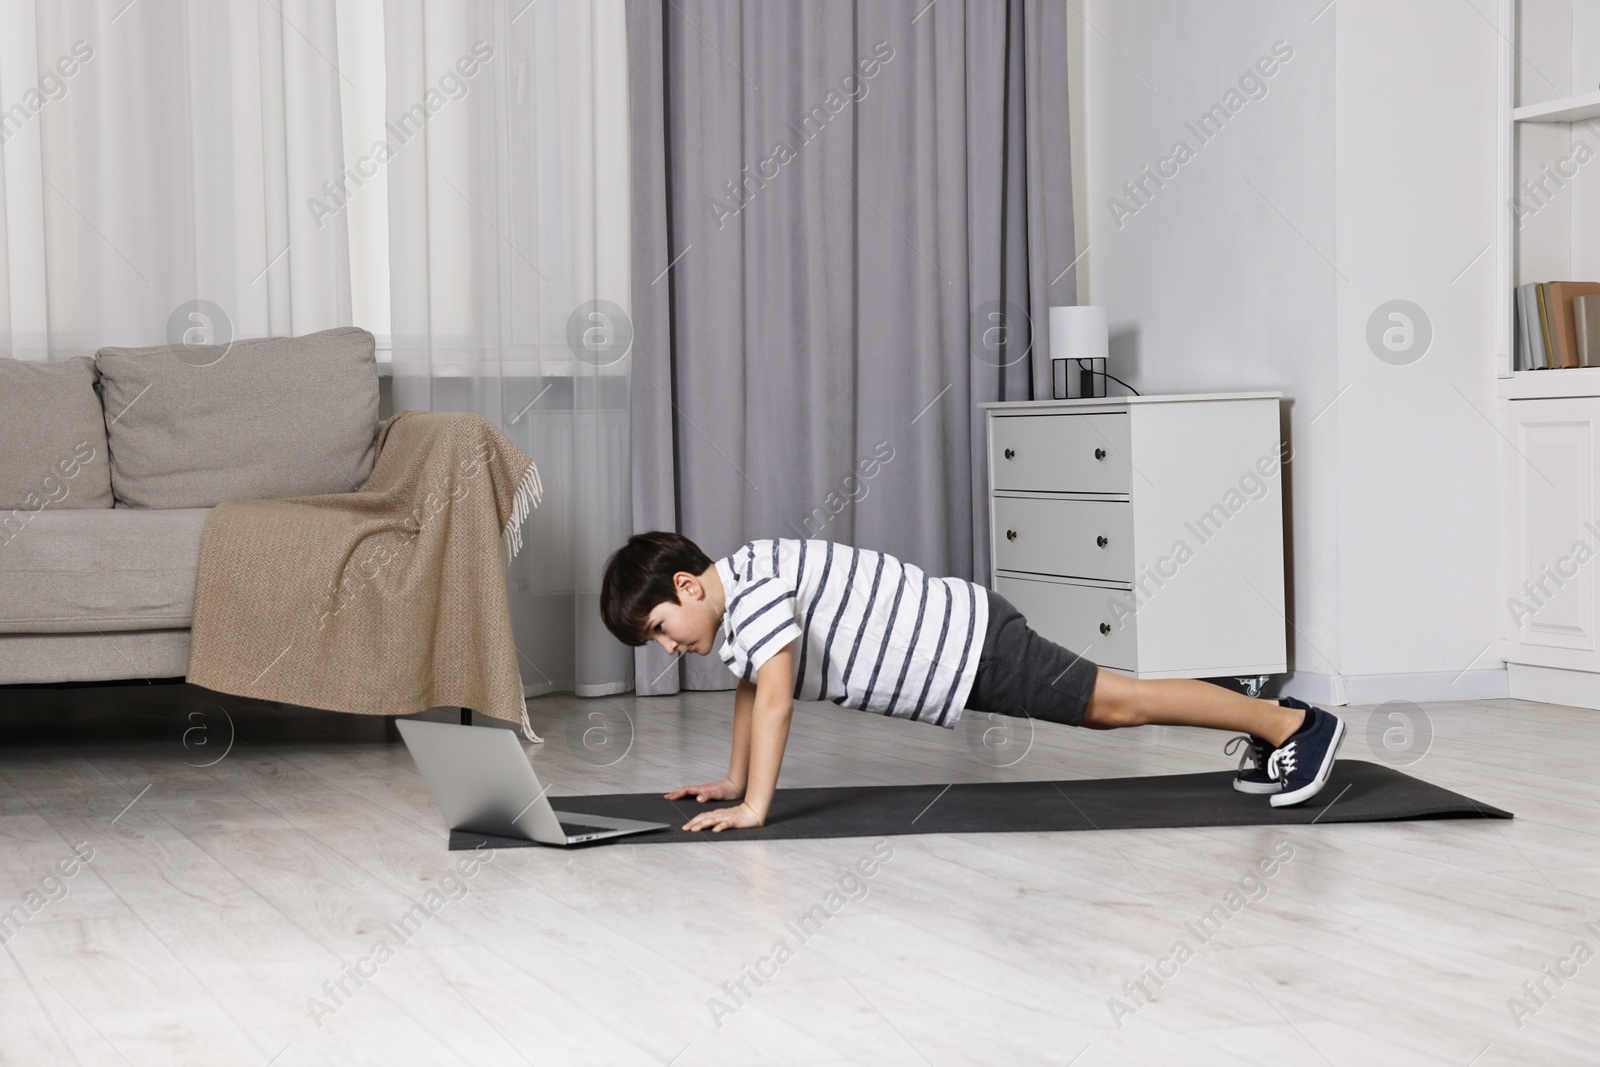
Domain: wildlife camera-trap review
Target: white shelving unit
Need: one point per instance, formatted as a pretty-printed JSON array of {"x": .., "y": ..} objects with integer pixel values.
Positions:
[
  {"x": 1548, "y": 420},
  {"x": 1568, "y": 109},
  {"x": 1549, "y": 113}
]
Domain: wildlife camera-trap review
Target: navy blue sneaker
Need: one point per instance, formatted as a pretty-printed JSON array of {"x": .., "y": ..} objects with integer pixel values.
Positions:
[
  {"x": 1252, "y": 776},
  {"x": 1302, "y": 763}
]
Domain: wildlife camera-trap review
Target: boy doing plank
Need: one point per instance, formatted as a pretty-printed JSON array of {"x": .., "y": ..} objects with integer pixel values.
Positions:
[{"x": 818, "y": 620}]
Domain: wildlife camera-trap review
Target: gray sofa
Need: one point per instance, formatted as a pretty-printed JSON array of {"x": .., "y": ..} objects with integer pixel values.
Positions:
[{"x": 109, "y": 467}]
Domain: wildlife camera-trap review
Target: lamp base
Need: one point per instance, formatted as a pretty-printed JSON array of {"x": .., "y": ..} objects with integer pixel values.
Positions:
[{"x": 1075, "y": 378}]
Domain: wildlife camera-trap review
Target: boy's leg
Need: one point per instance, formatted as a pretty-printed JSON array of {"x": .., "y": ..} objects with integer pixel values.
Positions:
[{"x": 1121, "y": 701}]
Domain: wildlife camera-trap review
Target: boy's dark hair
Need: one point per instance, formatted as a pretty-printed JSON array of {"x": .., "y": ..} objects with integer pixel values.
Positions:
[{"x": 638, "y": 576}]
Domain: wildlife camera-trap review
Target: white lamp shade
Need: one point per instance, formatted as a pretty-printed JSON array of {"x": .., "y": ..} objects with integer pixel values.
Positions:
[{"x": 1078, "y": 332}]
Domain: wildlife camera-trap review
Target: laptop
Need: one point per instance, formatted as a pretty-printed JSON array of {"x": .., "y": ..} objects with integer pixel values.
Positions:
[{"x": 483, "y": 783}]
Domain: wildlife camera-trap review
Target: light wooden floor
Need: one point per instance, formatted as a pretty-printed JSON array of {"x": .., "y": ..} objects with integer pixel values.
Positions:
[{"x": 221, "y": 898}]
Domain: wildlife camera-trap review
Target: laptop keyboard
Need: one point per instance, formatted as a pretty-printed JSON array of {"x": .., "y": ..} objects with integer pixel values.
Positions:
[{"x": 574, "y": 829}]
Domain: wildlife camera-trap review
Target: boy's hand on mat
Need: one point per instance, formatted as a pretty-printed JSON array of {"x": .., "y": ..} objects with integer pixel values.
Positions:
[
  {"x": 723, "y": 790},
  {"x": 720, "y": 819}
]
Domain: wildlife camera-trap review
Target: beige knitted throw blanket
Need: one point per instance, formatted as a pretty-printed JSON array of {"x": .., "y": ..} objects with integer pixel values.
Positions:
[{"x": 386, "y": 601}]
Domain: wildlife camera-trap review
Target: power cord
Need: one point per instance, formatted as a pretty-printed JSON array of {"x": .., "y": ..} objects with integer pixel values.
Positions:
[{"x": 1080, "y": 360}]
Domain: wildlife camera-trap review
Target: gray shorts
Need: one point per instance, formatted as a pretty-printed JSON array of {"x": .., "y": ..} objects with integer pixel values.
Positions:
[{"x": 1023, "y": 674}]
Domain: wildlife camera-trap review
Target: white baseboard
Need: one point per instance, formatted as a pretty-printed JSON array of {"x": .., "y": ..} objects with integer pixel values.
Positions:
[
  {"x": 1554, "y": 685},
  {"x": 1422, "y": 687},
  {"x": 540, "y": 689}
]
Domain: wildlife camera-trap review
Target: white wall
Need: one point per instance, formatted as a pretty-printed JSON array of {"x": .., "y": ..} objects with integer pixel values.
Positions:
[{"x": 1360, "y": 171}]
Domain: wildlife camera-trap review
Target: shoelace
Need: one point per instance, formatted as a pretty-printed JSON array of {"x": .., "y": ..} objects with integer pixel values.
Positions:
[
  {"x": 1283, "y": 761},
  {"x": 1253, "y": 757}
]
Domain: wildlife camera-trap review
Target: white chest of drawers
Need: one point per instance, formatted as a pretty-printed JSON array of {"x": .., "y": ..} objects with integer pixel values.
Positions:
[{"x": 1144, "y": 533}]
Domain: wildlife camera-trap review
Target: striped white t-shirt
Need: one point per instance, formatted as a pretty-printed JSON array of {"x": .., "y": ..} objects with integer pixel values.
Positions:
[{"x": 869, "y": 631}]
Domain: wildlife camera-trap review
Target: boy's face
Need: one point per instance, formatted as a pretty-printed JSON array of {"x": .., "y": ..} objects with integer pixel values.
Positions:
[{"x": 687, "y": 625}]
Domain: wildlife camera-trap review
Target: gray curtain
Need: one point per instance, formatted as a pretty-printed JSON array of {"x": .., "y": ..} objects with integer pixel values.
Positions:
[{"x": 849, "y": 220}]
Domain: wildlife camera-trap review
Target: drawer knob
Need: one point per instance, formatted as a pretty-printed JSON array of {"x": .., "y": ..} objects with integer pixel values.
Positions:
[
  {"x": 1102, "y": 541},
  {"x": 1011, "y": 453},
  {"x": 1105, "y": 627},
  {"x": 1011, "y": 535},
  {"x": 1099, "y": 453}
]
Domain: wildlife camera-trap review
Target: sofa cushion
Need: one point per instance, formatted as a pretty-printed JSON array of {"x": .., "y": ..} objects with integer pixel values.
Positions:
[
  {"x": 111, "y": 569},
  {"x": 52, "y": 439},
  {"x": 259, "y": 419}
]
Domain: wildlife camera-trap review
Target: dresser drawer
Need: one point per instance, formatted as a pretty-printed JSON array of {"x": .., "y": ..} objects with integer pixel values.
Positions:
[
  {"x": 1073, "y": 617},
  {"x": 1061, "y": 453},
  {"x": 1072, "y": 538}
]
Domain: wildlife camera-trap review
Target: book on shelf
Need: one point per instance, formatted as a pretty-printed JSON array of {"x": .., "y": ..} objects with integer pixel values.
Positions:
[
  {"x": 1561, "y": 295},
  {"x": 1586, "y": 318},
  {"x": 1526, "y": 337},
  {"x": 1543, "y": 299},
  {"x": 1557, "y": 325}
]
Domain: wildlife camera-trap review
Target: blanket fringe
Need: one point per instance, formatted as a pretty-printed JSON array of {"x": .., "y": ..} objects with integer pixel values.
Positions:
[
  {"x": 527, "y": 727},
  {"x": 529, "y": 492}
]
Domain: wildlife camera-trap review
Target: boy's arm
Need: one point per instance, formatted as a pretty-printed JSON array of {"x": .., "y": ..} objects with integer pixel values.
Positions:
[
  {"x": 767, "y": 733},
  {"x": 744, "y": 702}
]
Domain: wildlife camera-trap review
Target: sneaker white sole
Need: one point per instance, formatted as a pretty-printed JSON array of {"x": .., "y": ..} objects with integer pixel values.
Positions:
[
  {"x": 1313, "y": 787},
  {"x": 1257, "y": 788}
]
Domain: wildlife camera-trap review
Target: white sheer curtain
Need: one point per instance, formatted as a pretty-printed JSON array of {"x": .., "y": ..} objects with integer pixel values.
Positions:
[
  {"x": 162, "y": 160},
  {"x": 151, "y": 162},
  {"x": 505, "y": 134}
]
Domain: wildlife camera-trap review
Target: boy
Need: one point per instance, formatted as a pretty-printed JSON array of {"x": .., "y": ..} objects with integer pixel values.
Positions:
[{"x": 817, "y": 620}]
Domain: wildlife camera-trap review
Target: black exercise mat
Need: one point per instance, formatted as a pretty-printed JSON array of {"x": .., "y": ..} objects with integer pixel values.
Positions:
[{"x": 1357, "y": 791}]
